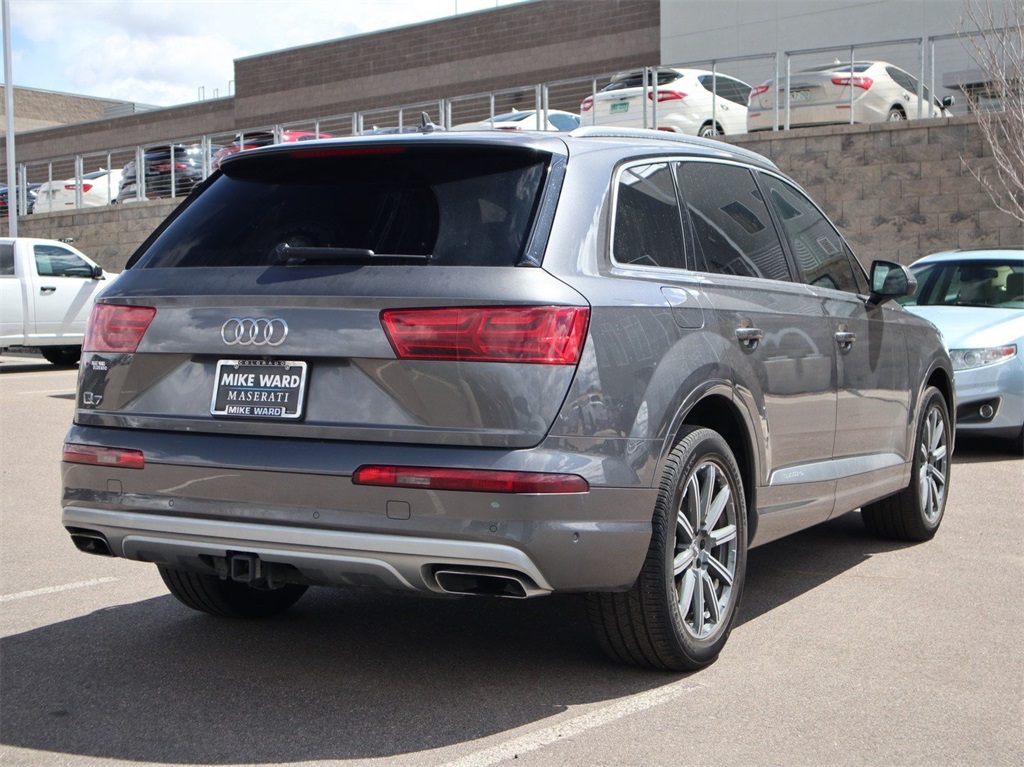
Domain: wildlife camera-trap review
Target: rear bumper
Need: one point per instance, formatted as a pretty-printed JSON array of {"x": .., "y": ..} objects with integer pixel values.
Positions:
[{"x": 226, "y": 496}]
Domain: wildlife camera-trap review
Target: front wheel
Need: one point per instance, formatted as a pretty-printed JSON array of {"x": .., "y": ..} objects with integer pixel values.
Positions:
[
  {"x": 708, "y": 130},
  {"x": 680, "y": 611},
  {"x": 915, "y": 513},
  {"x": 227, "y": 599},
  {"x": 895, "y": 115}
]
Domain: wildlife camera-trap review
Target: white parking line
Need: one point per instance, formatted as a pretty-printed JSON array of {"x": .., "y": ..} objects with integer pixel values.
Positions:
[
  {"x": 54, "y": 589},
  {"x": 580, "y": 724}
]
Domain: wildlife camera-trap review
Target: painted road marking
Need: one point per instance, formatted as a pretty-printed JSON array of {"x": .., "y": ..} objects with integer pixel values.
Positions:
[
  {"x": 54, "y": 589},
  {"x": 576, "y": 726}
]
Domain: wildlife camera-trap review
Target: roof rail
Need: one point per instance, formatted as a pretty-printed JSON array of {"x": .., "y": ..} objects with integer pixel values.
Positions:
[{"x": 598, "y": 131}]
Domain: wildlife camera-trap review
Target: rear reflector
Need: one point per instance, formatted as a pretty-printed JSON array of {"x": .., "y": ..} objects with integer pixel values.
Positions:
[
  {"x": 543, "y": 335},
  {"x": 114, "y": 457},
  {"x": 116, "y": 328},
  {"x": 472, "y": 480}
]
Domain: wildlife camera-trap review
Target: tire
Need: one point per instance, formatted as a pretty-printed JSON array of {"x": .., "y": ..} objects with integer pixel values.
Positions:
[
  {"x": 707, "y": 130},
  {"x": 227, "y": 599},
  {"x": 895, "y": 115},
  {"x": 915, "y": 513},
  {"x": 62, "y": 355},
  {"x": 663, "y": 621}
]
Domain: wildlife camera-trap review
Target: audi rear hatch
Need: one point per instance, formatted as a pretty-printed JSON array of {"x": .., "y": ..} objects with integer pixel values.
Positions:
[{"x": 383, "y": 291}]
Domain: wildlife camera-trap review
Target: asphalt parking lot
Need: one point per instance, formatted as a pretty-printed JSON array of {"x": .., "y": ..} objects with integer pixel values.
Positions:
[{"x": 849, "y": 651}]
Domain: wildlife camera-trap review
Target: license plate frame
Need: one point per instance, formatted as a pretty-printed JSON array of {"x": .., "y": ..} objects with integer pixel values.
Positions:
[{"x": 259, "y": 389}]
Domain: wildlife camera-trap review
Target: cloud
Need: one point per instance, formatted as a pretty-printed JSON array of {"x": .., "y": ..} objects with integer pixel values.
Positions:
[{"x": 162, "y": 51}]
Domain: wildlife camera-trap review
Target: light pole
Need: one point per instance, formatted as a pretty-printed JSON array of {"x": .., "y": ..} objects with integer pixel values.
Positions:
[{"x": 12, "y": 187}]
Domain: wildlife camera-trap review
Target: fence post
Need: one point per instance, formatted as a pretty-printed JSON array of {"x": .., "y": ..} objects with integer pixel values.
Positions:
[
  {"x": 79, "y": 180},
  {"x": 853, "y": 55},
  {"x": 714, "y": 98},
  {"x": 920, "y": 83},
  {"x": 775, "y": 108},
  {"x": 140, "y": 175},
  {"x": 789, "y": 77}
]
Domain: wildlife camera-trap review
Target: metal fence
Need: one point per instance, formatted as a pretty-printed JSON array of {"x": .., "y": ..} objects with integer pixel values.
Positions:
[{"x": 173, "y": 168}]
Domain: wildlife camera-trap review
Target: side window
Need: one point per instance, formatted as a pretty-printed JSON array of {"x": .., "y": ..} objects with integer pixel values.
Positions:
[
  {"x": 52, "y": 261},
  {"x": 820, "y": 253},
  {"x": 6, "y": 259},
  {"x": 730, "y": 221},
  {"x": 648, "y": 229},
  {"x": 904, "y": 80},
  {"x": 564, "y": 122}
]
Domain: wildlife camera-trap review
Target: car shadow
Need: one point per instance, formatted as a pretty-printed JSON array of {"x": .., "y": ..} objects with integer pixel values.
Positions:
[
  {"x": 345, "y": 674},
  {"x": 984, "y": 450},
  {"x": 22, "y": 366}
]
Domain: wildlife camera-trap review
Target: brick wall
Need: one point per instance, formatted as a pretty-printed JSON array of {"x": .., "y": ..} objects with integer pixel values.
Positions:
[
  {"x": 508, "y": 47},
  {"x": 895, "y": 191}
]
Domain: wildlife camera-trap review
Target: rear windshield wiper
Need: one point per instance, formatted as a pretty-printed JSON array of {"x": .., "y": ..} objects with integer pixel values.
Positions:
[{"x": 287, "y": 254}]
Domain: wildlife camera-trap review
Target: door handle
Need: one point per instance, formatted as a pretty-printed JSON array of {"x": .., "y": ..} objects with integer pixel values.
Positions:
[
  {"x": 48, "y": 289},
  {"x": 749, "y": 337},
  {"x": 845, "y": 340}
]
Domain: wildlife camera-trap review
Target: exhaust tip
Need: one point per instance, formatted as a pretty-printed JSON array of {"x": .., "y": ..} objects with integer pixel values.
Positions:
[
  {"x": 483, "y": 584},
  {"x": 91, "y": 542}
]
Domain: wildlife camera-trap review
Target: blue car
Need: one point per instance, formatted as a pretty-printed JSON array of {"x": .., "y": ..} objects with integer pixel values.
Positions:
[{"x": 976, "y": 299}]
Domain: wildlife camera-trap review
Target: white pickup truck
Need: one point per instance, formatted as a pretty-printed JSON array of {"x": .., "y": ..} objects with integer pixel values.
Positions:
[{"x": 46, "y": 293}]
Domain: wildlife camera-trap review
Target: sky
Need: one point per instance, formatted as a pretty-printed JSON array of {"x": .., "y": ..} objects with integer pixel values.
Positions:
[{"x": 162, "y": 52}]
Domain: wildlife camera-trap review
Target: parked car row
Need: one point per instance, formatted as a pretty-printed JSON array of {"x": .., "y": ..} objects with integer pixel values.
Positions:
[{"x": 695, "y": 102}]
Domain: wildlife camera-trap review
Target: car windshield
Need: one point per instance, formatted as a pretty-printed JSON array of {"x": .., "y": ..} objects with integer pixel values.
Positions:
[
  {"x": 994, "y": 283},
  {"x": 451, "y": 205}
]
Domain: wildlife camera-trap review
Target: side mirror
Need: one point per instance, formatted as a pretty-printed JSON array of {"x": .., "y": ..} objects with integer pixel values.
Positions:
[
  {"x": 890, "y": 280},
  {"x": 97, "y": 272},
  {"x": 947, "y": 102}
]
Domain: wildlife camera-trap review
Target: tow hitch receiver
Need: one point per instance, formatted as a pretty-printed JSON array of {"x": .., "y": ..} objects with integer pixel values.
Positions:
[{"x": 249, "y": 569}]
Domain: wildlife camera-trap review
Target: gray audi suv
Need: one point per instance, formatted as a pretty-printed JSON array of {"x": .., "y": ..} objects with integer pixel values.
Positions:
[{"x": 605, "y": 362}]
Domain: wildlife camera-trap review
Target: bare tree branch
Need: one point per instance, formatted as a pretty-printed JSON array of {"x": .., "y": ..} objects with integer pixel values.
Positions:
[{"x": 995, "y": 41}]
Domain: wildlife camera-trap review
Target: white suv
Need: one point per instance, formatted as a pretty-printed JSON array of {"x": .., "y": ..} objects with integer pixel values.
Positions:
[{"x": 691, "y": 101}]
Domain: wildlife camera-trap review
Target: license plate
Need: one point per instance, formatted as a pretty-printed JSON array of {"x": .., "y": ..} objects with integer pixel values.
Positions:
[
  {"x": 620, "y": 106},
  {"x": 259, "y": 389},
  {"x": 804, "y": 95}
]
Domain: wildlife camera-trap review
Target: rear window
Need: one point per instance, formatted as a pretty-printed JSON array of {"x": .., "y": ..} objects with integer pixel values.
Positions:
[{"x": 458, "y": 206}]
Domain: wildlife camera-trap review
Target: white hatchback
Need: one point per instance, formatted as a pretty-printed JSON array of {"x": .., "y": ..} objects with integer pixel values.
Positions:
[{"x": 692, "y": 101}]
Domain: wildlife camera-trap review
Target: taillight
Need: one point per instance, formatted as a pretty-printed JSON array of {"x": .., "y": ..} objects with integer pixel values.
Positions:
[
  {"x": 165, "y": 167},
  {"x": 115, "y": 457},
  {"x": 859, "y": 81},
  {"x": 472, "y": 480},
  {"x": 588, "y": 102},
  {"x": 544, "y": 335},
  {"x": 667, "y": 96},
  {"x": 757, "y": 90},
  {"x": 116, "y": 328}
]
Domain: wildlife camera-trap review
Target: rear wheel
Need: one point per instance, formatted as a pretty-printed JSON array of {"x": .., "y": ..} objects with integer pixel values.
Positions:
[
  {"x": 210, "y": 594},
  {"x": 915, "y": 513},
  {"x": 62, "y": 355},
  {"x": 895, "y": 115},
  {"x": 680, "y": 611},
  {"x": 710, "y": 130}
]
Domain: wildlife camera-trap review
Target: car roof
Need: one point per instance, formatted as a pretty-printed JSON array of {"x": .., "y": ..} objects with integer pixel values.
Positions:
[
  {"x": 981, "y": 254},
  {"x": 579, "y": 141}
]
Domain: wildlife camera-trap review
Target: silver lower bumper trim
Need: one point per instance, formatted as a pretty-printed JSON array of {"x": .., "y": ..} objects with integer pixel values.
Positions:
[{"x": 327, "y": 557}]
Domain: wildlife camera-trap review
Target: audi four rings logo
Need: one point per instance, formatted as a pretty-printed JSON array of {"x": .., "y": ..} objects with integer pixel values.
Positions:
[{"x": 246, "y": 331}]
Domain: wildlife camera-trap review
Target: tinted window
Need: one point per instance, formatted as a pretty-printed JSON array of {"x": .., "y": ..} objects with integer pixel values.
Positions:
[
  {"x": 636, "y": 80},
  {"x": 731, "y": 222},
  {"x": 6, "y": 258},
  {"x": 726, "y": 88},
  {"x": 648, "y": 229},
  {"x": 820, "y": 253},
  {"x": 52, "y": 261},
  {"x": 466, "y": 208},
  {"x": 902, "y": 79},
  {"x": 564, "y": 122}
]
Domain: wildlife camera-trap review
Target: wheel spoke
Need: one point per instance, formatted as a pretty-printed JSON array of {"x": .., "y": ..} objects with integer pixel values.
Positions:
[
  {"x": 714, "y": 606},
  {"x": 698, "y": 604},
  {"x": 717, "y": 506},
  {"x": 686, "y": 592},
  {"x": 706, "y": 491},
  {"x": 720, "y": 570},
  {"x": 682, "y": 562},
  {"x": 723, "y": 535},
  {"x": 683, "y": 522}
]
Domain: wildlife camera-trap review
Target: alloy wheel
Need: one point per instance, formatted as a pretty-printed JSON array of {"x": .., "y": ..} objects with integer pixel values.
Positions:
[
  {"x": 934, "y": 465},
  {"x": 704, "y": 565}
]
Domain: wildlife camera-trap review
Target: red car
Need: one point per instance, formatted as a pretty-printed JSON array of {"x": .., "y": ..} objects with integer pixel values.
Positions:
[{"x": 255, "y": 139}]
